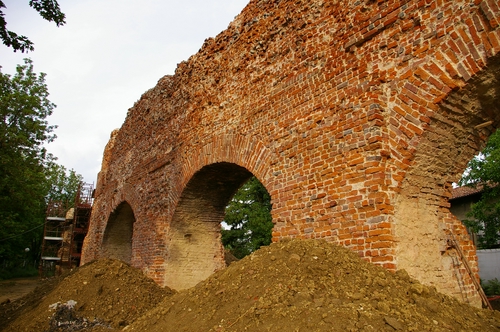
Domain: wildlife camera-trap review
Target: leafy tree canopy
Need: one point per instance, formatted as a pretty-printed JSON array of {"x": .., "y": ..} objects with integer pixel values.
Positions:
[
  {"x": 48, "y": 10},
  {"x": 483, "y": 171},
  {"x": 248, "y": 215},
  {"x": 62, "y": 184},
  {"x": 29, "y": 176}
]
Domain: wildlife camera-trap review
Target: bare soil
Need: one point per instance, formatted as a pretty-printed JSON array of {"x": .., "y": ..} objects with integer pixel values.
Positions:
[
  {"x": 14, "y": 289},
  {"x": 109, "y": 294},
  {"x": 289, "y": 286},
  {"x": 495, "y": 302}
]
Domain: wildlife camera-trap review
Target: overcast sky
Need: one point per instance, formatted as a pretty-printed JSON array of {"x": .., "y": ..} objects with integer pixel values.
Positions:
[{"x": 104, "y": 58}]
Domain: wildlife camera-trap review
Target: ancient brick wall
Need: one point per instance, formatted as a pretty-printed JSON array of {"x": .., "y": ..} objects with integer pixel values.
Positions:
[{"x": 356, "y": 116}]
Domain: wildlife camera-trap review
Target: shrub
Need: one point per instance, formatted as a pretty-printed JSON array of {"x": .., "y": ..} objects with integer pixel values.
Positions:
[{"x": 491, "y": 287}]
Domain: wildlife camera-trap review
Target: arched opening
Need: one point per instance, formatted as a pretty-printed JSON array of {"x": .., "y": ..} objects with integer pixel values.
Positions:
[
  {"x": 458, "y": 129},
  {"x": 117, "y": 242},
  {"x": 195, "y": 247}
]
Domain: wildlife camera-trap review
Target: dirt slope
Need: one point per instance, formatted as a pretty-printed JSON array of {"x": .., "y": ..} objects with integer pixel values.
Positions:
[
  {"x": 312, "y": 286},
  {"x": 288, "y": 286},
  {"x": 13, "y": 289},
  {"x": 108, "y": 293}
]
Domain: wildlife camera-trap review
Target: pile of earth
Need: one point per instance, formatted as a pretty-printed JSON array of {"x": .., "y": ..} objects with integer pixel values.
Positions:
[
  {"x": 102, "y": 295},
  {"x": 297, "y": 285}
]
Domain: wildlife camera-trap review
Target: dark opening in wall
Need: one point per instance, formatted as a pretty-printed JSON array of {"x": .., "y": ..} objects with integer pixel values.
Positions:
[{"x": 117, "y": 242}]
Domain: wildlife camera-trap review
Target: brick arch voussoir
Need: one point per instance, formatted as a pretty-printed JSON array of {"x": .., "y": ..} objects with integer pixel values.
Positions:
[
  {"x": 244, "y": 151},
  {"x": 422, "y": 92},
  {"x": 456, "y": 128},
  {"x": 126, "y": 193}
]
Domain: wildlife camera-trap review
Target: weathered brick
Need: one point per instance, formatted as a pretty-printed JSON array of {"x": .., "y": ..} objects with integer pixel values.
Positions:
[{"x": 346, "y": 134}]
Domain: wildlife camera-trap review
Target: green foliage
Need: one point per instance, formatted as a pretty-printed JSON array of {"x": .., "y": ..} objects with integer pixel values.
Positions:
[
  {"x": 484, "y": 172},
  {"x": 248, "y": 215},
  {"x": 18, "y": 271},
  {"x": 48, "y": 10},
  {"x": 484, "y": 169},
  {"x": 23, "y": 130},
  {"x": 28, "y": 174},
  {"x": 491, "y": 287},
  {"x": 62, "y": 184}
]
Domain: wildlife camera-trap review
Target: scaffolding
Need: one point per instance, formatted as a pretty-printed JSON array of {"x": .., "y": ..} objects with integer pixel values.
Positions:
[{"x": 64, "y": 232}]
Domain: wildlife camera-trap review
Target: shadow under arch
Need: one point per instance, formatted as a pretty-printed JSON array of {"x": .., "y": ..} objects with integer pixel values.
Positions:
[
  {"x": 195, "y": 249},
  {"x": 117, "y": 240}
]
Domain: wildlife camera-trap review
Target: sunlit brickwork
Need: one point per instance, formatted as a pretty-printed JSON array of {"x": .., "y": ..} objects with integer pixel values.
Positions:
[{"x": 357, "y": 116}]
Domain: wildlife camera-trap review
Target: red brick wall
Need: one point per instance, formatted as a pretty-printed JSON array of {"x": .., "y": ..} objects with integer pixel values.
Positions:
[{"x": 356, "y": 115}]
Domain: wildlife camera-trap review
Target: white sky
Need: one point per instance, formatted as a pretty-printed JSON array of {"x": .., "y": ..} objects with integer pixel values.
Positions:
[{"x": 104, "y": 58}]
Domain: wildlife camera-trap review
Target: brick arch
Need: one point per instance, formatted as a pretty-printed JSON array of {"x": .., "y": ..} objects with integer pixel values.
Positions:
[
  {"x": 245, "y": 151},
  {"x": 456, "y": 131},
  {"x": 194, "y": 246},
  {"x": 124, "y": 195},
  {"x": 118, "y": 234},
  {"x": 211, "y": 173}
]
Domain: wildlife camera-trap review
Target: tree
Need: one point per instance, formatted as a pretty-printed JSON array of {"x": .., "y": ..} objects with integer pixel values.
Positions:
[
  {"x": 23, "y": 128},
  {"x": 483, "y": 171},
  {"x": 248, "y": 215},
  {"x": 48, "y": 10},
  {"x": 29, "y": 175},
  {"x": 62, "y": 184}
]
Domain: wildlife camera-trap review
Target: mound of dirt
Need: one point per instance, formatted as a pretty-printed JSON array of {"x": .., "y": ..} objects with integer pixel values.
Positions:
[
  {"x": 312, "y": 286},
  {"x": 102, "y": 295},
  {"x": 10, "y": 310},
  {"x": 298, "y": 285}
]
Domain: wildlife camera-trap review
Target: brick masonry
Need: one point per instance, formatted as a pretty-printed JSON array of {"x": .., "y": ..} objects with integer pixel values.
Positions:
[{"x": 356, "y": 116}]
